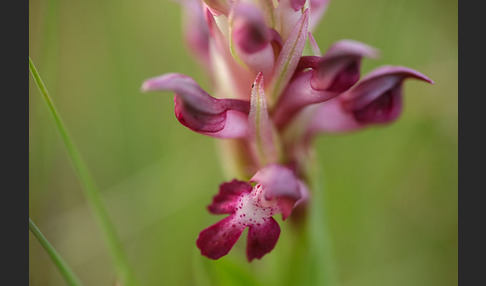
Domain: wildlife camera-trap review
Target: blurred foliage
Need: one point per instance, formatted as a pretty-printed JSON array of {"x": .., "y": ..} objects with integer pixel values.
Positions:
[{"x": 390, "y": 192}]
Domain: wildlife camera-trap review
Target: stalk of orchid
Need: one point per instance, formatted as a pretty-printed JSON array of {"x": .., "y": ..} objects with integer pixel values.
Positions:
[{"x": 269, "y": 102}]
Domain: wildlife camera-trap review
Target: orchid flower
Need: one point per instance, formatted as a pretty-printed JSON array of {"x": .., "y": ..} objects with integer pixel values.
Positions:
[
  {"x": 272, "y": 100},
  {"x": 277, "y": 191}
]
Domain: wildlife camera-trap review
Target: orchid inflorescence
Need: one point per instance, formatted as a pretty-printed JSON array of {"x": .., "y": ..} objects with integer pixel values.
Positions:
[{"x": 270, "y": 102}]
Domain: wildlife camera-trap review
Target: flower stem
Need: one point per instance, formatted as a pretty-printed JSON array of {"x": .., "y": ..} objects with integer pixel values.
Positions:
[
  {"x": 320, "y": 239},
  {"x": 66, "y": 272},
  {"x": 91, "y": 191},
  {"x": 311, "y": 257}
]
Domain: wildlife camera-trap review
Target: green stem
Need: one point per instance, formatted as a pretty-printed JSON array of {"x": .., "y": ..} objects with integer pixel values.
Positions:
[
  {"x": 312, "y": 258},
  {"x": 320, "y": 239},
  {"x": 90, "y": 189},
  {"x": 66, "y": 272}
]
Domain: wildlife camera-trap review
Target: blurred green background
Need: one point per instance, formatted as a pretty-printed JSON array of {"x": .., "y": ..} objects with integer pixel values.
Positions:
[{"x": 390, "y": 193}]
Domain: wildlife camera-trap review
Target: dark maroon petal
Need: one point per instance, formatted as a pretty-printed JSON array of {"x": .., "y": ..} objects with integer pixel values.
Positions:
[
  {"x": 339, "y": 68},
  {"x": 196, "y": 120},
  {"x": 377, "y": 98},
  {"x": 348, "y": 76},
  {"x": 262, "y": 239},
  {"x": 227, "y": 198},
  {"x": 217, "y": 240},
  {"x": 197, "y": 110},
  {"x": 251, "y": 38},
  {"x": 306, "y": 62},
  {"x": 249, "y": 31},
  {"x": 187, "y": 89},
  {"x": 384, "y": 109}
]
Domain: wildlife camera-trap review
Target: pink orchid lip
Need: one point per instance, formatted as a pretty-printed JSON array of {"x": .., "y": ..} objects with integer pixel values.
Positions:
[
  {"x": 242, "y": 202},
  {"x": 225, "y": 201},
  {"x": 217, "y": 240},
  {"x": 280, "y": 184},
  {"x": 277, "y": 191},
  {"x": 200, "y": 112},
  {"x": 262, "y": 239}
]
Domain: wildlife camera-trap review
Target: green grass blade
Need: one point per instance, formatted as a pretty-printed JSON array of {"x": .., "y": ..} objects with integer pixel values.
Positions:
[
  {"x": 66, "y": 272},
  {"x": 91, "y": 191}
]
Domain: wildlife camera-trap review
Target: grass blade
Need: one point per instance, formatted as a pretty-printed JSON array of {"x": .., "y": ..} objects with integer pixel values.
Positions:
[
  {"x": 91, "y": 191},
  {"x": 66, "y": 272}
]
